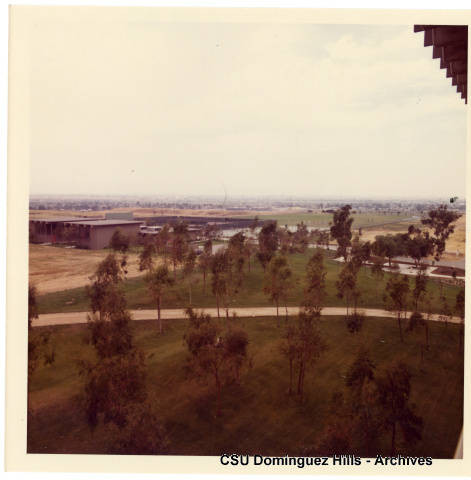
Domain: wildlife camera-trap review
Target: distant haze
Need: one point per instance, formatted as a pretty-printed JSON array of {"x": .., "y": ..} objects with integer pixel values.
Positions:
[{"x": 242, "y": 109}]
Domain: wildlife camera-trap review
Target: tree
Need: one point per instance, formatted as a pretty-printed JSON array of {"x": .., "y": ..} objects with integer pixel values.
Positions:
[
  {"x": 142, "y": 434},
  {"x": 301, "y": 238},
  {"x": 119, "y": 242},
  {"x": 395, "y": 297},
  {"x": 189, "y": 266},
  {"x": 419, "y": 245},
  {"x": 363, "y": 402},
  {"x": 420, "y": 286},
  {"x": 204, "y": 260},
  {"x": 347, "y": 289},
  {"x": 288, "y": 348},
  {"x": 389, "y": 246},
  {"x": 178, "y": 244},
  {"x": 278, "y": 278},
  {"x": 162, "y": 241},
  {"x": 393, "y": 394},
  {"x": 267, "y": 243},
  {"x": 146, "y": 257},
  {"x": 227, "y": 275},
  {"x": 341, "y": 230},
  {"x": 105, "y": 291},
  {"x": 441, "y": 222},
  {"x": 309, "y": 346},
  {"x": 315, "y": 292},
  {"x": 115, "y": 379},
  {"x": 213, "y": 353},
  {"x": 218, "y": 278},
  {"x": 377, "y": 270},
  {"x": 39, "y": 345},
  {"x": 158, "y": 281}
]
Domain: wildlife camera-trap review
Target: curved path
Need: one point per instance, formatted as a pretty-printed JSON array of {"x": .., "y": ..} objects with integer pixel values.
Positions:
[{"x": 71, "y": 318}]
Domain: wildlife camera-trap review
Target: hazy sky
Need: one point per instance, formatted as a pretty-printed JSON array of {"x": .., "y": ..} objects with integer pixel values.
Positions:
[{"x": 161, "y": 108}]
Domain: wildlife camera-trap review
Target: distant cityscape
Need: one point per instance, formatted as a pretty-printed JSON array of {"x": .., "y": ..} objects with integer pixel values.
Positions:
[{"x": 265, "y": 203}]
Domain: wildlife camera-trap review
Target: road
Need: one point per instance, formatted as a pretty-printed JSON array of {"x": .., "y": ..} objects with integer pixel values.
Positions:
[{"x": 72, "y": 318}]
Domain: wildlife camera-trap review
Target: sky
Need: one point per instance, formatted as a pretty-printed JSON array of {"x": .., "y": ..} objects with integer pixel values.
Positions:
[{"x": 149, "y": 108}]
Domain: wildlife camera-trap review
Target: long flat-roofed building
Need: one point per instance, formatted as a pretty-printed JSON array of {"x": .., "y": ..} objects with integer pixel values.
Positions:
[
  {"x": 96, "y": 234},
  {"x": 92, "y": 233}
]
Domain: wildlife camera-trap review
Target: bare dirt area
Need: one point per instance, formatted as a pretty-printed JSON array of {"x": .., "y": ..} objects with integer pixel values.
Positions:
[
  {"x": 455, "y": 245},
  {"x": 53, "y": 269}
]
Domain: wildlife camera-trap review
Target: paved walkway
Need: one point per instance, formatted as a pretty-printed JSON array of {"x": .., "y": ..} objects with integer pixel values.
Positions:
[{"x": 71, "y": 318}]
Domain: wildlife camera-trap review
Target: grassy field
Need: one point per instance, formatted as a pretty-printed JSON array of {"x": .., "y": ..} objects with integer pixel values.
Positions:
[
  {"x": 258, "y": 416},
  {"x": 324, "y": 219},
  {"x": 251, "y": 294}
]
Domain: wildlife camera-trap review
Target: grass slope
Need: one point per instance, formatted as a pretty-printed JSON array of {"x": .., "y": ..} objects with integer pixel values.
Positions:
[
  {"x": 258, "y": 416},
  {"x": 251, "y": 294}
]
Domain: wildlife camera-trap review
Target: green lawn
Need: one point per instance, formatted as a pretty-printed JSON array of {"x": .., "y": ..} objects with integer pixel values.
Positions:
[
  {"x": 250, "y": 295},
  {"x": 258, "y": 416},
  {"x": 324, "y": 219}
]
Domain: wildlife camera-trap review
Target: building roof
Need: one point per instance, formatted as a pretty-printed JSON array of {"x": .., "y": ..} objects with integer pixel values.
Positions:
[
  {"x": 106, "y": 223},
  {"x": 450, "y": 45},
  {"x": 59, "y": 219}
]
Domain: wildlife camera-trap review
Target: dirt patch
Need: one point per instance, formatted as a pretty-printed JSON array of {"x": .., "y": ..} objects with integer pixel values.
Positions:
[{"x": 53, "y": 269}]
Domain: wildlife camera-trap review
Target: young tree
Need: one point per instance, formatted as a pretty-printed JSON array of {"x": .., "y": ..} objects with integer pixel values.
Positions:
[
  {"x": 204, "y": 260},
  {"x": 395, "y": 297},
  {"x": 441, "y": 222},
  {"x": 115, "y": 380},
  {"x": 213, "y": 353},
  {"x": 189, "y": 266},
  {"x": 419, "y": 245},
  {"x": 158, "y": 282},
  {"x": 162, "y": 243},
  {"x": 146, "y": 257},
  {"x": 288, "y": 348},
  {"x": 347, "y": 289},
  {"x": 420, "y": 286},
  {"x": 341, "y": 230},
  {"x": 227, "y": 276},
  {"x": 278, "y": 278},
  {"x": 267, "y": 243},
  {"x": 363, "y": 400},
  {"x": 119, "y": 242},
  {"x": 178, "y": 244},
  {"x": 315, "y": 293},
  {"x": 39, "y": 345},
  {"x": 309, "y": 346},
  {"x": 377, "y": 271},
  {"x": 218, "y": 277},
  {"x": 301, "y": 238},
  {"x": 393, "y": 394}
]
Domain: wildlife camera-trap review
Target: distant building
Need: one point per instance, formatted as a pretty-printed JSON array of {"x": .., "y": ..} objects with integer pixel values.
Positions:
[{"x": 92, "y": 234}]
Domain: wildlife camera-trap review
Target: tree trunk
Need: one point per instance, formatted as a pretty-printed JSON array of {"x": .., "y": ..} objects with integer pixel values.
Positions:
[
  {"x": 204, "y": 281},
  {"x": 277, "y": 315},
  {"x": 286, "y": 310},
  {"x": 189, "y": 288},
  {"x": 217, "y": 305}
]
